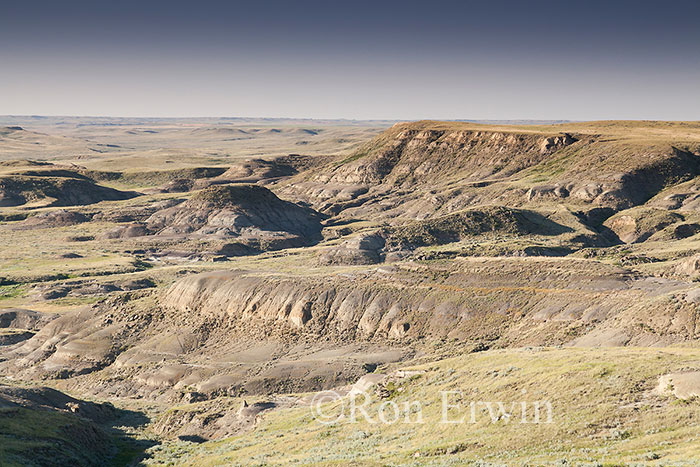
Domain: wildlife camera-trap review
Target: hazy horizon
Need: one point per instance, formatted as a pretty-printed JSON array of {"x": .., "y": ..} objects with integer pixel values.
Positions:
[
  {"x": 267, "y": 117},
  {"x": 362, "y": 61}
]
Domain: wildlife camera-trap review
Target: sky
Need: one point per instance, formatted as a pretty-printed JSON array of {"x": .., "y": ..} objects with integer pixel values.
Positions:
[{"x": 404, "y": 60}]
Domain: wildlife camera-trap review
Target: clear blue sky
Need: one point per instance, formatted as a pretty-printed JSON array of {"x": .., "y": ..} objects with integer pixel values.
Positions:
[{"x": 324, "y": 59}]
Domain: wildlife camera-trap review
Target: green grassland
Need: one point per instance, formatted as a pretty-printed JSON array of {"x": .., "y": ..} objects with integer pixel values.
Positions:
[{"x": 605, "y": 411}]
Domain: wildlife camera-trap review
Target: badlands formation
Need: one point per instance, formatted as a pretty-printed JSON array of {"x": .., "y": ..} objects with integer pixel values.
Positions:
[{"x": 177, "y": 292}]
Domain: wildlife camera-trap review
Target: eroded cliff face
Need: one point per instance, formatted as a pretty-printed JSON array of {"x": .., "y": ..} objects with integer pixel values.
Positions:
[
  {"x": 403, "y": 156},
  {"x": 236, "y": 332},
  {"x": 530, "y": 301},
  {"x": 423, "y": 169}
]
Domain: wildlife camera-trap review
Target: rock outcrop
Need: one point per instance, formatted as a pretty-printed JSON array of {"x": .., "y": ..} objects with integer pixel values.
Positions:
[
  {"x": 637, "y": 225},
  {"x": 55, "y": 191},
  {"x": 423, "y": 169},
  {"x": 250, "y": 213},
  {"x": 19, "y": 318}
]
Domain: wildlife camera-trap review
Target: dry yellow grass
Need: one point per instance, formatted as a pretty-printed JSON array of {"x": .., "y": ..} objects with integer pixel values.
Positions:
[{"x": 605, "y": 411}]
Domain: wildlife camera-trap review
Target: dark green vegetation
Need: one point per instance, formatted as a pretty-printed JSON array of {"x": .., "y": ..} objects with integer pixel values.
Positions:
[
  {"x": 42, "y": 426},
  {"x": 459, "y": 226}
]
